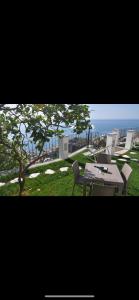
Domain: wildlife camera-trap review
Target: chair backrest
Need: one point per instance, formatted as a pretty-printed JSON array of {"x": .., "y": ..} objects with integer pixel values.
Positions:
[
  {"x": 126, "y": 172},
  {"x": 76, "y": 169},
  {"x": 104, "y": 158},
  {"x": 95, "y": 152},
  {"x": 103, "y": 190}
]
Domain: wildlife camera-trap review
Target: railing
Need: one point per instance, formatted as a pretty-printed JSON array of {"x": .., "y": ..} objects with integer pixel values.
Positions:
[
  {"x": 86, "y": 139},
  {"x": 76, "y": 142},
  {"x": 51, "y": 149},
  {"x": 123, "y": 131}
]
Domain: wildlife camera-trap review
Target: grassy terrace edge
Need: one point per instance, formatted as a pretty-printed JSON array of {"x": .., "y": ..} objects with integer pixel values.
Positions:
[{"x": 60, "y": 184}]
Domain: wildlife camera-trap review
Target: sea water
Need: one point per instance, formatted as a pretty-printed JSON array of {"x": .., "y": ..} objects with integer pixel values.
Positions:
[
  {"x": 106, "y": 126},
  {"x": 101, "y": 127}
]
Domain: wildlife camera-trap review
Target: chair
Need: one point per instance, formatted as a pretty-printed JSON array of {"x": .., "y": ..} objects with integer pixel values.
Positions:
[
  {"x": 126, "y": 172},
  {"x": 103, "y": 190},
  {"x": 95, "y": 152},
  {"x": 79, "y": 179},
  {"x": 103, "y": 158}
]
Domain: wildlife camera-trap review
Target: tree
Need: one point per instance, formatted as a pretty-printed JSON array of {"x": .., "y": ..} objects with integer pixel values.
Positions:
[
  {"x": 90, "y": 126},
  {"x": 21, "y": 123}
]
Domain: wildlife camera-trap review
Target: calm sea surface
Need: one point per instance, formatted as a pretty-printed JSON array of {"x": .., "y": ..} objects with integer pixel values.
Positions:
[
  {"x": 101, "y": 127},
  {"x": 106, "y": 126}
]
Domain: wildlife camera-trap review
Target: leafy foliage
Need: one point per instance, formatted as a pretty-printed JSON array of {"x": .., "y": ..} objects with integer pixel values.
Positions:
[{"x": 36, "y": 123}]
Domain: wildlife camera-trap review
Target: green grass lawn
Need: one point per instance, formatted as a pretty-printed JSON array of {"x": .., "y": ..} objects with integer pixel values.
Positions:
[{"x": 61, "y": 184}]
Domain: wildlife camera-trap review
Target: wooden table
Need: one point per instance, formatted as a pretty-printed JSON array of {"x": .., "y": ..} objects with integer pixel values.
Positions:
[{"x": 113, "y": 177}]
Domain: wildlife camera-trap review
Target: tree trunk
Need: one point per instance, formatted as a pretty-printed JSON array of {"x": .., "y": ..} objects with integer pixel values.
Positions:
[
  {"x": 23, "y": 170},
  {"x": 21, "y": 179},
  {"x": 22, "y": 184}
]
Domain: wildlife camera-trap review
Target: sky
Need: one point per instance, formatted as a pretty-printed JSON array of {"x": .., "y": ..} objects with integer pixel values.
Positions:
[{"x": 115, "y": 111}]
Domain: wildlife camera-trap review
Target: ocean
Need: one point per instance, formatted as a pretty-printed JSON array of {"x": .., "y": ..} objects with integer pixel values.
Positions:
[
  {"x": 106, "y": 126},
  {"x": 100, "y": 127}
]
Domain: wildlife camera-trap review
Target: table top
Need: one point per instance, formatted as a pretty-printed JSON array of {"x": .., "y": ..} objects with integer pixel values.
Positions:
[{"x": 113, "y": 175}]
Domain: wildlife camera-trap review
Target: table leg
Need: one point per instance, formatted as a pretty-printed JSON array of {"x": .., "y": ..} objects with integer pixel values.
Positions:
[
  {"x": 90, "y": 191},
  {"x": 84, "y": 190},
  {"x": 120, "y": 191}
]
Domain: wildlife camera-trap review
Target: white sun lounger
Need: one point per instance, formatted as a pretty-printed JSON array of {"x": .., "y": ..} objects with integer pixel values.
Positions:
[{"x": 94, "y": 152}]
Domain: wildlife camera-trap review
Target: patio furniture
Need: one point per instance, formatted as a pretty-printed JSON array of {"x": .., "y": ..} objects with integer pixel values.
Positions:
[
  {"x": 103, "y": 190},
  {"x": 95, "y": 152},
  {"x": 79, "y": 179},
  {"x": 111, "y": 177},
  {"x": 126, "y": 172},
  {"x": 103, "y": 158}
]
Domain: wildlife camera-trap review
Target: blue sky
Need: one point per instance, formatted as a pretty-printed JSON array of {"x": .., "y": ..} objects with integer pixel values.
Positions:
[{"x": 115, "y": 111}]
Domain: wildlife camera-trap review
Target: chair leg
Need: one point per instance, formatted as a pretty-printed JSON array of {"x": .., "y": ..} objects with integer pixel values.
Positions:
[
  {"x": 84, "y": 190},
  {"x": 125, "y": 190},
  {"x": 73, "y": 189},
  {"x": 90, "y": 192},
  {"x": 95, "y": 159}
]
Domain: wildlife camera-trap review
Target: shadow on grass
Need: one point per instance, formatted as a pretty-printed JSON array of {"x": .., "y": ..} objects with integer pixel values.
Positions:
[{"x": 136, "y": 149}]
